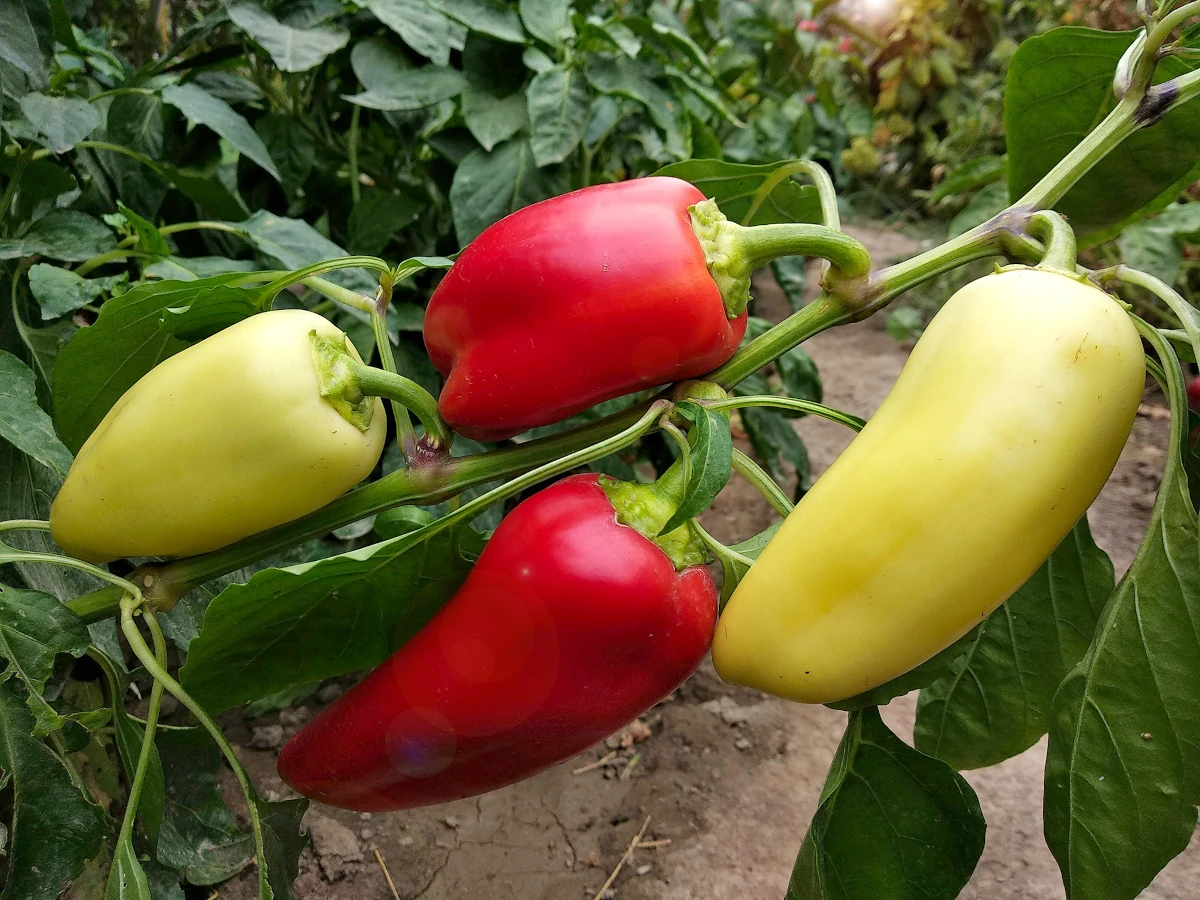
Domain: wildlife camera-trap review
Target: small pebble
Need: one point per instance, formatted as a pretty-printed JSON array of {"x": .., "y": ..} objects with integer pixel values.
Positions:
[
  {"x": 365, "y": 816},
  {"x": 644, "y": 870},
  {"x": 742, "y": 744},
  {"x": 405, "y": 841},
  {"x": 366, "y": 833},
  {"x": 330, "y": 692}
]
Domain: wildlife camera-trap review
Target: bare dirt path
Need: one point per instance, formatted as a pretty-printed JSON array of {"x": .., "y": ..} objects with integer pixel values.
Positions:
[{"x": 730, "y": 778}]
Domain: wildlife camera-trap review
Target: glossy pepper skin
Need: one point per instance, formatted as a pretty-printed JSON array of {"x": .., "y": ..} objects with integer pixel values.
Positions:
[
  {"x": 569, "y": 626},
  {"x": 225, "y": 439},
  {"x": 1004, "y": 425},
  {"x": 575, "y": 300}
]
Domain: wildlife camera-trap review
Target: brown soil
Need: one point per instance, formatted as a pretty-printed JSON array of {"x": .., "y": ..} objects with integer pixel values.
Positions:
[{"x": 727, "y": 776}]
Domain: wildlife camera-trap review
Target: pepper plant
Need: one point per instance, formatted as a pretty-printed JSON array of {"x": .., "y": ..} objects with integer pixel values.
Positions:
[{"x": 1101, "y": 132}]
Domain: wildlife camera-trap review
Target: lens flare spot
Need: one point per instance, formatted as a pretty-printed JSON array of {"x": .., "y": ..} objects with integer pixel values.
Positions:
[{"x": 420, "y": 743}]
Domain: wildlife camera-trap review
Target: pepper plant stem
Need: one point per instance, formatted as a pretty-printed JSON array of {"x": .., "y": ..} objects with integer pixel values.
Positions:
[
  {"x": 162, "y": 677},
  {"x": 763, "y": 483},
  {"x": 759, "y": 244},
  {"x": 822, "y": 313},
  {"x": 410, "y": 395}
]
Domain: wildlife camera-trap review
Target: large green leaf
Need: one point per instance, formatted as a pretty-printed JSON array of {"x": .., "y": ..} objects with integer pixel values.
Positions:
[
  {"x": 62, "y": 234},
  {"x": 55, "y": 830},
  {"x": 559, "y": 106},
  {"x": 62, "y": 122},
  {"x": 995, "y": 702},
  {"x": 751, "y": 195},
  {"x": 1059, "y": 89},
  {"x": 310, "y": 622},
  {"x": 23, "y": 423},
  {"x": 202, "y": 108},
  {"x": 27, "y": 489},
  {"x": 34, "y": 629},
  {"x": 892, "y": 823},
  {"x": 489, "y": 186},
  {"x": 1123, "y": 765},
  {"x": 419, "y": 24},
  {"x": 292, "y": 49},
  {"x": 622, "y": 77}
]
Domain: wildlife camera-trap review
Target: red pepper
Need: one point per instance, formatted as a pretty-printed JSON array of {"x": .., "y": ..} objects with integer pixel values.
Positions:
[
  {"x": 570, "y": 625},
  {"x": 592, "y": 295}
]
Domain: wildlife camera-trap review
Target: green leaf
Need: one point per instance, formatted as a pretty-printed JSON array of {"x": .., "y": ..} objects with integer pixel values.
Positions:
[
  {"x": 34, "y": 629},
  {"x": 55, "y": 830},
  {"x": 310, "y": 622},
  {"x": 750, "y": 195},
  {"x": 905, "y": 323},
  {"x": 419, "y": 24},
  {"x": 970, "y": 177},
  {"x": 547, "y": 20},
  {"x": 149, "y": 238},
  {"x": 775, "y": 442},
  {"x": 291, "y": 49},
  {"x": 23, "y": 423},
  {"x": 60, "y": 291},
  {"x": 180, "y": 268},
  {"x": 491, "y": 17},
  {"x": 293, "y": 244},
  {"x": 290, "y": 145},
  {"x": 1123, "y": 764},
  {"x": 622, "y": 77},
  {"x": 27, "y": 489},
  {"x": 712, "y": 463},
  {"x": 489, "y": 186},
  {"x": 892, "y": 822},
  {"x": 126, "y": 878},
  {"x": 103, "y": 361},
  {"x": 199, "y": 834},
  {"x": 735, "y": 566},
  {"x": 791, "y": 274},
  {"x": 284, "y": 839},
  {"x": 559, "y": 107},
  {"x": 406, "y": 89},
  {"x": 202, "y": 108},
  {"x": 62, "y": 234},
  {"x": 207, "y": 313},
  {"x": 995, "y": 703},
  {"x": 1059, "y": 88},
  {"x": 984, "y": 206},
  {"x": 1153, "y": 246},
  {"x": 376, "y": 218},
  {"x": 62, "y": 121},
  {"x": 18, "y": 42},
  {"x": 493, "y": 105}
]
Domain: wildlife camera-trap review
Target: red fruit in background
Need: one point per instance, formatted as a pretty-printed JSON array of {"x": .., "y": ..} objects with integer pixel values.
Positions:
[
  {"x": 846, "y": 46},
  {"x": 569, "y": 627},
  {"x": 1193, "y": 392},
  {"x": 575, "y": 300}
]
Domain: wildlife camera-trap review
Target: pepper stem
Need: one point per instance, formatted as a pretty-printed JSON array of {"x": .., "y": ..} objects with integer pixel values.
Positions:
[
  {"x": 1059, "y": 239},
  {"x": 350, "y": 385},
  {"x": 734, "y": 251}
]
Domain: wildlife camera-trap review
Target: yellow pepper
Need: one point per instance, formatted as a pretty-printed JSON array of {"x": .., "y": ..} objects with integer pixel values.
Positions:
[
  {"x": 225, "y": 439},
  {"x": 1003, "y": 427}
]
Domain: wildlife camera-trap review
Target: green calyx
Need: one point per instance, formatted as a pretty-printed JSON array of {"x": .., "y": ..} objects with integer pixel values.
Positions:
[
  {"x": 725, "y": 264},
  {"x": 337, "y": 383},
  {"x": 732, "y": 252},
  {"x": 646, "y": 508}
]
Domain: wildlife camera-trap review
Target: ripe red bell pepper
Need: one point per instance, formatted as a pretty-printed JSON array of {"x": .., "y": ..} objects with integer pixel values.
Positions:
[
  {"x": 592, "y": 295},
  {"x": 570, "y": 625}
]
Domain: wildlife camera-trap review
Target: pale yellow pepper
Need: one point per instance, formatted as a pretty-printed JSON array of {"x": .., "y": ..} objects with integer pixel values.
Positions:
[
  {"x": 228, "y": 438},
  {"x": 1003, "y": 427}
]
